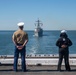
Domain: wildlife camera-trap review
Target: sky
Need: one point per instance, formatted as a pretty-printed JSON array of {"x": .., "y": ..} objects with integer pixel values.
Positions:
[{"x": 54, "y": 14}]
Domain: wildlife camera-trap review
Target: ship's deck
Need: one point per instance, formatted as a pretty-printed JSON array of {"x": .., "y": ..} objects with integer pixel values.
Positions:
[
  {"x": 37, "y": 59},
  {"x": 37, "y": 65},
  {"x": 36, "y": 70}
]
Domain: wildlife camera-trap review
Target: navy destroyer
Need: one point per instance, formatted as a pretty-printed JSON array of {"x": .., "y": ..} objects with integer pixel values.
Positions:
[{"x": 38, "y": 30}]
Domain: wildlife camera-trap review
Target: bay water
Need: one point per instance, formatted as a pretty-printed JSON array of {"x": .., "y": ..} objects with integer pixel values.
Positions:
[{"x": 36, "y": 45}]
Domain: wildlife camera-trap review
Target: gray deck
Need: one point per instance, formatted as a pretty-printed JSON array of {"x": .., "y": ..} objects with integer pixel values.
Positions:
[{"x": 36, "y": 70}]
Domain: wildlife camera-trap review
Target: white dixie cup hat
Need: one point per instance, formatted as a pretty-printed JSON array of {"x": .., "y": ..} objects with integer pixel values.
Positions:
[
  {"x": 63, "y": 31},
  {"x": 20, "y": 24}
]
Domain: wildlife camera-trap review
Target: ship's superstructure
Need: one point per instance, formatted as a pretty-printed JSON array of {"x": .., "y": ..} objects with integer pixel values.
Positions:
[{"x": 38, "y": 30}]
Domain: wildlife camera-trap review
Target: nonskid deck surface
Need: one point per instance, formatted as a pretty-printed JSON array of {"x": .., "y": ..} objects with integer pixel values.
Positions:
[{"x": 36, "y": 70}]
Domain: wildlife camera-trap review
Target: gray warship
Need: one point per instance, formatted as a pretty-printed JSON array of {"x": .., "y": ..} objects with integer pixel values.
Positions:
[{"x": 38, "y": 30}]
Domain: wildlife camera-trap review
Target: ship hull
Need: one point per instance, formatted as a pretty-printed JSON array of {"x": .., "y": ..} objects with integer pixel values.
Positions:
[{"x": 38, "y": 32}]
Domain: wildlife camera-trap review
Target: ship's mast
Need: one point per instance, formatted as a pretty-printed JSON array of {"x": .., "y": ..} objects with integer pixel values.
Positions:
[{"x": 38, "y": 23}]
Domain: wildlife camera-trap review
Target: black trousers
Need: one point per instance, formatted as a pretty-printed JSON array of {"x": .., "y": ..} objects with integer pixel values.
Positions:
[{"x": 63, "y": 53}]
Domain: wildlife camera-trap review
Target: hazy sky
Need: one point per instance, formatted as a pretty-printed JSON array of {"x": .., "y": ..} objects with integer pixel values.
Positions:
[{"x": 54, "y": 14}]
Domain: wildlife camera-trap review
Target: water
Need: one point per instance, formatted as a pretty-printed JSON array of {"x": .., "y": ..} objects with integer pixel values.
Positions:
[{"x": 41, "y": 45}]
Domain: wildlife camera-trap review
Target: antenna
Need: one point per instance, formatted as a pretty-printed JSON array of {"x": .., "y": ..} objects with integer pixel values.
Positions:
[{"x": 38, "y": 23}]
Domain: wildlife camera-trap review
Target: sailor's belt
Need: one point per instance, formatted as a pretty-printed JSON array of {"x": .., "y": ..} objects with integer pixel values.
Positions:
[{"x": 19, "y": 44}]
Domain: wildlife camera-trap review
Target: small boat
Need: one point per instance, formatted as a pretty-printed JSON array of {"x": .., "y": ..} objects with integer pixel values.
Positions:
[{"x": 38, "y": 30}]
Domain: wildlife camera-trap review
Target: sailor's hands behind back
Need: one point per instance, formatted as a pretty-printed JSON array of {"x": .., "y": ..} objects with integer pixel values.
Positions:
[{"x": 20, "y": 47}]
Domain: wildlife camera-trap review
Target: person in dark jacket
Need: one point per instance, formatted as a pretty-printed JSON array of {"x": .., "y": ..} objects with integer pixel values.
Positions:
[{"x": 63, "y": 43}]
